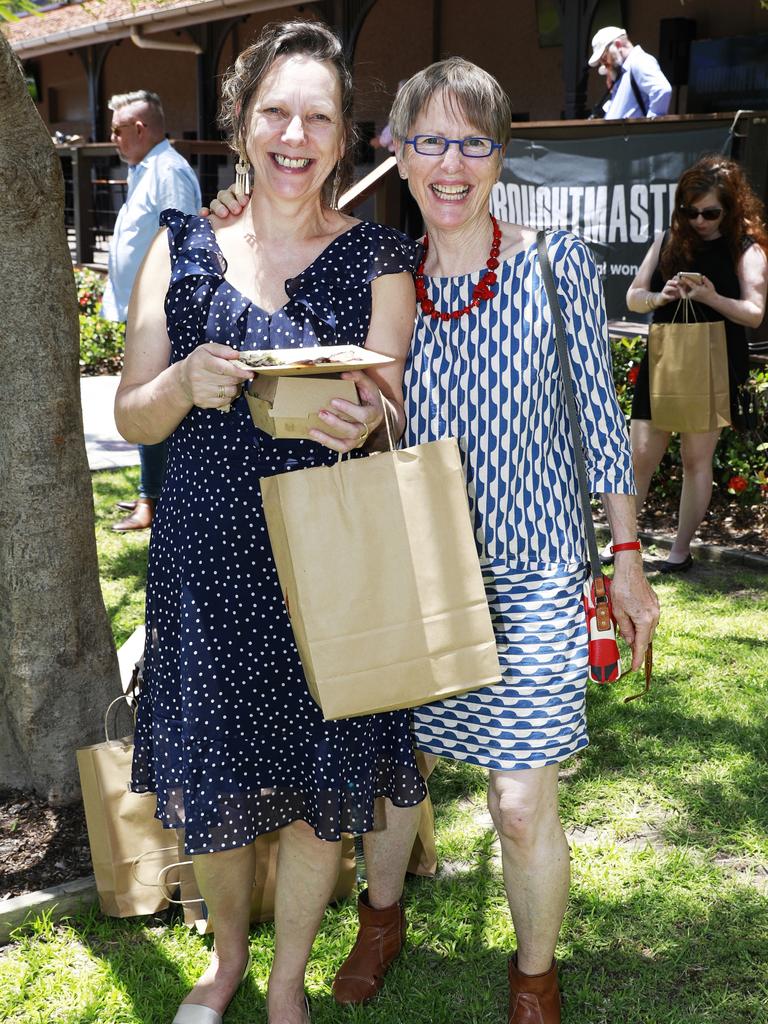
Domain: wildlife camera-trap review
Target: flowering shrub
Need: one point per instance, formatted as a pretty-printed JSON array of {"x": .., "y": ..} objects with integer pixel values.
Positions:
[
  {"x": 101, "y": 341},
  {"x": 741, "y": 457}
]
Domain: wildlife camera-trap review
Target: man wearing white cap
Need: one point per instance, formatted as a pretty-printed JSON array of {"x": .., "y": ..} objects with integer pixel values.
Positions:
[{"x": 638, "y": 87}]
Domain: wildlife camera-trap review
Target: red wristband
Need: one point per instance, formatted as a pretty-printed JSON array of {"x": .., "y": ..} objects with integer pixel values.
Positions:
[{"x": 631, "y": 545}]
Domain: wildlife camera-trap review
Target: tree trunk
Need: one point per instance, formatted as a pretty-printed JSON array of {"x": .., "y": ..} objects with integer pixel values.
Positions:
[{"x": 58, "y": 667}]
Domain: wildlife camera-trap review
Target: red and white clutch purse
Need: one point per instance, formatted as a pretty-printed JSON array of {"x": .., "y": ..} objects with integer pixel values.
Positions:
[{"x": 604, "y": 657}]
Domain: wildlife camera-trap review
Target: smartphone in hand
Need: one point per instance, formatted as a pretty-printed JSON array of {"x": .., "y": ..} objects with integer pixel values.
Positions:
[{"x": 690, "y": 276}]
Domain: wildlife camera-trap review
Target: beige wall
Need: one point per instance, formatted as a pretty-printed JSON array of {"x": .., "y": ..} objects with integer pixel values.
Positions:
[
  {"x": 171, "y": 74},
  {"x": 396, "y": 40},
  {"x": 64, "y": 92}
]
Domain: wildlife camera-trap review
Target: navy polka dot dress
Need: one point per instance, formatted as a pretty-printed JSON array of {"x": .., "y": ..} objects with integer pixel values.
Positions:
[{"x": 227, "y": 733}]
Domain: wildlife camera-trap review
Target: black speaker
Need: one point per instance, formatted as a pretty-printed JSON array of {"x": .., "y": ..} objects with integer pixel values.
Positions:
[{"x": 675, "y": 37}]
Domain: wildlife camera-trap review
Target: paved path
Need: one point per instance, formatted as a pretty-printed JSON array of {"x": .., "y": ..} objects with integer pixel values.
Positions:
[{"x": 106, "y": 449}]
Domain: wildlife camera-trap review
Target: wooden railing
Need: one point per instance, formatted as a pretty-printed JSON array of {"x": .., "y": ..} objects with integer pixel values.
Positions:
[{"x": 95, "y": 188}]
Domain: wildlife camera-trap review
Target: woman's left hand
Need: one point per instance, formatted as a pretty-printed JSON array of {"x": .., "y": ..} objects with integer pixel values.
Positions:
[
  {"x": 355, "y": 423},
  {"x": 635, "y": 605},
  {"x": 704, "y": 292}
]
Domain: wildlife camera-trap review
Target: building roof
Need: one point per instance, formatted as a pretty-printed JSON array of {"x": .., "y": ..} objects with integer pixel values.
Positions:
[{"x": 80, "y": 24}]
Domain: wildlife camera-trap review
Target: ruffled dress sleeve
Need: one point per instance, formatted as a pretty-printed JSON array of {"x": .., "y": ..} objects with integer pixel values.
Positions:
[
  {"x": 392, "y": 253},
  {"x": 198, "y": 298},
  {"x": 335, "y": 290}
]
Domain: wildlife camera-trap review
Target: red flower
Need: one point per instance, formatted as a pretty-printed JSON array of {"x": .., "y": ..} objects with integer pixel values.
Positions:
[
  {"x": 738, "y": 484},
  {"x": 632, "y": 373}
]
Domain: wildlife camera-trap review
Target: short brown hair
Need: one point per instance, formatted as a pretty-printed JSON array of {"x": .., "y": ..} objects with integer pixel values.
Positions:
[
  {"x": 476, "y": 93},
  {"x": 278, "y": 39}
]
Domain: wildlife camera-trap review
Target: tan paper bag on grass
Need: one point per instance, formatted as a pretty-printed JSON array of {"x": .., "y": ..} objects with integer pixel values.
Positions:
[
  {"x": 381, "y": 579},
  {"x": 423, "y": 859},
  {"x": 129, "y": 846},
  {"x": 263, "y": 896},
  {"x": 688, "y": 371}
]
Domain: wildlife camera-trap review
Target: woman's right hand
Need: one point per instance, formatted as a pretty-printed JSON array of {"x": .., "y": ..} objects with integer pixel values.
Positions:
[
  {"x": 208, "y": 378},
  {"x": 227, "y": 201},
  {"x": 671, "y": 292}
]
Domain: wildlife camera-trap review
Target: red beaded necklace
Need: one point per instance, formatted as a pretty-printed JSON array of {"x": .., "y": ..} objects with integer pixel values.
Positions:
[{"x": 482, "y": 291}]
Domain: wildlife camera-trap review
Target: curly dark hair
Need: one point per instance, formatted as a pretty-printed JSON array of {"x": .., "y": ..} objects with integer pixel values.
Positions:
[
  {"x": 241, "y": 82},
  {"x": 743, "y": 216}
]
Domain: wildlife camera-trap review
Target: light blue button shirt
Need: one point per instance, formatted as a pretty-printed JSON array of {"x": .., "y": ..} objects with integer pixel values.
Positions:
[
  {"x": 653, "y": 86},
  {"x": 162, "y": 180}
]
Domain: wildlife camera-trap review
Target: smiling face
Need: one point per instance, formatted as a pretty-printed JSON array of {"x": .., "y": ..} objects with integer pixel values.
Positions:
[
  {"x": 452, "y": 190},
  {"x": 295, "y": 127}
]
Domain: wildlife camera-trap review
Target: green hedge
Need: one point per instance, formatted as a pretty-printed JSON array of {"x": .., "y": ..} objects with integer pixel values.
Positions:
[
  {"x": 101, "y": 341},
  {"x": 741, "y": 458}
]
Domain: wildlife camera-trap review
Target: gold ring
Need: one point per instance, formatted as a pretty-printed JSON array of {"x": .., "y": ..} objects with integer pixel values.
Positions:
[
  {"x": 220, "y": 392},
  {"x": 363, "y": 437}
]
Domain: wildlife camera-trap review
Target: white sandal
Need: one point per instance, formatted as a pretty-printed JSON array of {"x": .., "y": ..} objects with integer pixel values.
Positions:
[{"x": 196, "y": 1013}]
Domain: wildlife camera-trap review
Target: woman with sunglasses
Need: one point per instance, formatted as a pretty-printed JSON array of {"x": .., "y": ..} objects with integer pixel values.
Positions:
[{"x": 718, "y": 232}]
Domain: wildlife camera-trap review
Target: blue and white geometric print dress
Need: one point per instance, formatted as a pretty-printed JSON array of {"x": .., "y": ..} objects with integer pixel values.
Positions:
[
  {"x": 227, "y": 734},
  {"x": 492, "y": 380}
]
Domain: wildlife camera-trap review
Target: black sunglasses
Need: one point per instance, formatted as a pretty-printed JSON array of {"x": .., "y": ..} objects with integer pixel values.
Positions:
[{"x": 710, "y": 213}]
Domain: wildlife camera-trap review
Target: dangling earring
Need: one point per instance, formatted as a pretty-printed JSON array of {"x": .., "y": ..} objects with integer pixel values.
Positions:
[
  {"x": 336, "y": 187},
  {"x": 242, "y": 170}
]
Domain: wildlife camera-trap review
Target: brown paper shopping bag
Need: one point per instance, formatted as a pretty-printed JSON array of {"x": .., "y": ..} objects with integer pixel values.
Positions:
[
  {"x": 180, "y": 875},
  {"x": 423, "y": 859},
  {"x": 129, "y": 846},
  {"x": 688, "y": 371},
  {"x": 381, "y": 579}
]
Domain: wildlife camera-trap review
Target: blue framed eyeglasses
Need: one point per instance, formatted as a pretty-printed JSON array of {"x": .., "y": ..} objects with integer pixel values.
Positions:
[{"x": 476, "y": 146}]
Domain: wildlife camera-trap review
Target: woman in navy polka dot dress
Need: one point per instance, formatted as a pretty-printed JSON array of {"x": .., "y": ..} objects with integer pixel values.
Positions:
[{"x": 227, "y": 735}]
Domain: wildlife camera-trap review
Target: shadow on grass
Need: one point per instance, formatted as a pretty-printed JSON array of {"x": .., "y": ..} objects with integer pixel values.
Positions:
[
  {"x": 671, "y": 750},
  {"x": 666, "y": 953},
  {"x": 153, "y": 982},
  {"x": 638, "y": 956}
]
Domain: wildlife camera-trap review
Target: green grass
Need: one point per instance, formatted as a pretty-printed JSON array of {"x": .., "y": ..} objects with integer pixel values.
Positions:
[
  {"x": 122, "y": 556},
  {"x": 668, "y": 818}
]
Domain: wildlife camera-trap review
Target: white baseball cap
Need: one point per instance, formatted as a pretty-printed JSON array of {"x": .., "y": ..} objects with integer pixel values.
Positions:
[{"x": 602, "y": 40}]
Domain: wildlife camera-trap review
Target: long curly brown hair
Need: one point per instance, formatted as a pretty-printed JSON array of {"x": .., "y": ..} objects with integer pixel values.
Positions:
[{"x": 744, "y": 213}]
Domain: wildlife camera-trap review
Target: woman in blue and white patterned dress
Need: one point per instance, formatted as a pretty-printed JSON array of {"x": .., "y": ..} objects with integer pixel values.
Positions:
[{"x": 483, "y": 368}]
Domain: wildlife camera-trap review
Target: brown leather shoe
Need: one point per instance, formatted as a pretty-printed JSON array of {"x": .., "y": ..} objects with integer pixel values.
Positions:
[
  {"x": 533, "y": 998},
  {"x": 140, "y": 518},
  {"x": 379, "y": 941}
]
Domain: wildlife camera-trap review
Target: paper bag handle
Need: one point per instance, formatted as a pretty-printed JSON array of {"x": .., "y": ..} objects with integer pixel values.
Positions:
[
  {"x": 123, "y": 696},
  {"x": 388, "y": 427},
  {"x": 150, "y": 853},
  {"x": 689, "y": 311},
  {"x": 162, "y": 883},
  {"x": 388, "y": 423}
]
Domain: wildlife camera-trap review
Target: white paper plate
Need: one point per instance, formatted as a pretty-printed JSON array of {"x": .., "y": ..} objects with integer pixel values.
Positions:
[{"x": 294, "y": 362}]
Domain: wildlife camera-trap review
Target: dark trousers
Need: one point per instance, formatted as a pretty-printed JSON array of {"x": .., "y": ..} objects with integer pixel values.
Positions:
[{"x": 152, "y": 458}]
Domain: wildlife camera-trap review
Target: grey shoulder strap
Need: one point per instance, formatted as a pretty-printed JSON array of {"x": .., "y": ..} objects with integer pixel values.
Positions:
[{"x": 570, "y": 402}]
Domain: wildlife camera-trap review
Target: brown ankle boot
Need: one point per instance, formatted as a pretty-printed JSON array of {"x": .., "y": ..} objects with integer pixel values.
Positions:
[
  {"x": 140, "y": 519},
  {"x": 379, "y": 940},
  {"x": 533, "y": 998}
]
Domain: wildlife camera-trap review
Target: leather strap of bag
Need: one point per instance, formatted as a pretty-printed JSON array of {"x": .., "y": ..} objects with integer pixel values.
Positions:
[{"x": 602, "y": 611}]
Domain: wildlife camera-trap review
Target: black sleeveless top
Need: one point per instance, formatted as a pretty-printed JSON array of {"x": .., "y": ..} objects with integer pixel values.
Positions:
[{"x": 713, "y": 260}]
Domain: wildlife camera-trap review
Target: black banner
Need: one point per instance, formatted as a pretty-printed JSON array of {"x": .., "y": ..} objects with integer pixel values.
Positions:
[{"x": 614, "y": 191}]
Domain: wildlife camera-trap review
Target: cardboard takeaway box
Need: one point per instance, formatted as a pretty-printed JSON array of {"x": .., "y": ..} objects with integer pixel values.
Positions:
[{"x": 287, "y": 407}]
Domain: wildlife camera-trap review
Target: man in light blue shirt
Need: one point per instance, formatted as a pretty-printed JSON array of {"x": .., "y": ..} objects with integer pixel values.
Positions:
[
  {"x": 158, "y": 178},
  {"x": 638, "y": 86}
]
